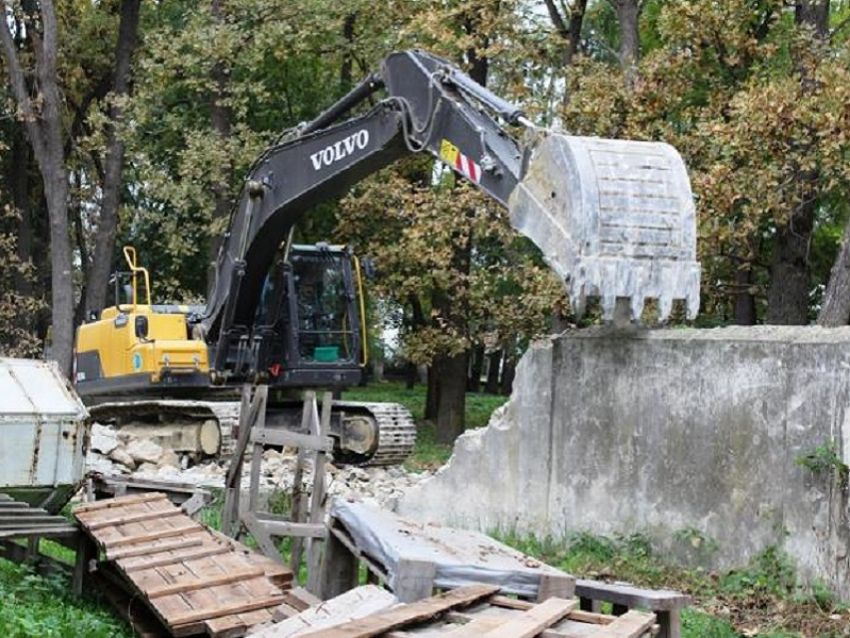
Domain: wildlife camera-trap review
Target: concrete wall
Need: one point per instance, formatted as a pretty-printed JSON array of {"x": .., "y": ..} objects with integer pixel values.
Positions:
[{"x": 684, "y": 435}]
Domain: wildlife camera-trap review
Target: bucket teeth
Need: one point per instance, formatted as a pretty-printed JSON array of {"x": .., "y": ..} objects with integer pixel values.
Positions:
[{"x": 614, "y": 218}]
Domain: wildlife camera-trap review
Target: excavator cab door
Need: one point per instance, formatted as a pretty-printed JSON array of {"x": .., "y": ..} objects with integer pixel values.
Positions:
[{"x": 311, "y": 320}]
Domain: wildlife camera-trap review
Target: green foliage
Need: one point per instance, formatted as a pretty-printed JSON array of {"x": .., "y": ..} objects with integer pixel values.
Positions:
[
  {"x": 697, "y": 624},
  {"x": 725, "y": 603},
  {"x": 824, "y": 459},
  {"x": 769, "y": 572},
  {"x": 19, "y": 305},
  {"x": 31, "y": 605}
]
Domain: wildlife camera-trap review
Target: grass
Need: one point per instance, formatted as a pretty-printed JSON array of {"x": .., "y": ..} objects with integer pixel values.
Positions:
[
  {"x": 762, "y": 598},
  {"x": 429, "y": 454},
  {"x": 32, "y": 605}
]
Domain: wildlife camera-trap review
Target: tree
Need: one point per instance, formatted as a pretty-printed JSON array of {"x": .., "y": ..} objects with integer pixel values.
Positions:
[
  {"x": 40, "y": 107},
  {"x": 111, "y": 175}
]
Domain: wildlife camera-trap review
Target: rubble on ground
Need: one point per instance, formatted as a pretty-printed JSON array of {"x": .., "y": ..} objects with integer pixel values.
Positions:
[{"x": 115, "y": 453}]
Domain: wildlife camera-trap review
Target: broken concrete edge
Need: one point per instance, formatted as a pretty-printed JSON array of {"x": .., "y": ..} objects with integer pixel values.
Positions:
[{"x": 552, "y": 462}]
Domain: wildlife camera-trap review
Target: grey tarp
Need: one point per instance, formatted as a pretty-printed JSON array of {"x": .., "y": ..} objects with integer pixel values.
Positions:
[{"x": 461, "y": 557}]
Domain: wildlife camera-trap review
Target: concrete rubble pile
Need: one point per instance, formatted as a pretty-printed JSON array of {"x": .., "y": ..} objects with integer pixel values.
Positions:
[{"x": 114, "y": 453}]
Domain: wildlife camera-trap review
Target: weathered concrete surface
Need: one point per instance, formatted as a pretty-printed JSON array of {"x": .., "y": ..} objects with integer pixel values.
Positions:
[{"x": 685, "y": 435}]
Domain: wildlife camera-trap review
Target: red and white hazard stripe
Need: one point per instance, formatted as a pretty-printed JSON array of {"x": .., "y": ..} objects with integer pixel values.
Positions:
[{"x": 468, "y": 168}]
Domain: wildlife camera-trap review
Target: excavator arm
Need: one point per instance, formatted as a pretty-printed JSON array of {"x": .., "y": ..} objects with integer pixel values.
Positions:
[{"x": 614, "y": 218}]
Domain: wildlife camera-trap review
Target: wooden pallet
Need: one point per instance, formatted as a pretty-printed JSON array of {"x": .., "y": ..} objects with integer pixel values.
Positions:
[
  {"x": 21, "y": 520},
  {"x": 194, "y": 580},
  {"x": 467, "y": 612}
]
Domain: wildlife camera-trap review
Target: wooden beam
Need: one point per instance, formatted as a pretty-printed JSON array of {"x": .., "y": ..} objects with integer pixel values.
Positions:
[
  {"x": 414, "y": 612},
  {"x": 153, "y": 536},
  {"x": 632, "y": 624},
  {"x": 177, "y": 558},
  {"x": 286, "y": 438},
  {"x": 224, "y": 610},
  {"x": 535, "y": 620},
  {"x": 224, "y": 579},
  {"x": 152, "y": 550},
  {"x": 86, "y": 508},
  {"x": 133, "y": 518}
]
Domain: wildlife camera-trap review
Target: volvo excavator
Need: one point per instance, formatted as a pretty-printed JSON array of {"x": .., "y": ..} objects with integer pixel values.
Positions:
[{"x": 615, "y": 219}]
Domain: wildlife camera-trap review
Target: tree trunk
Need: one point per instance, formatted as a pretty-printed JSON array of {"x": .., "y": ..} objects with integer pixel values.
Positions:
[
  {"x": 568, "y": 27},
  {"x": 476, "y": 368},
  {"x": 221, "y": 119},
  {"x": 44, "y": 127},
  {"x": 452, "y": 404},
  {"x": 432, "y": 395},
  {"x": 493, "y": 369},
  {"x": 508, "y": 374},
  {"x": 346, "y": 77},
  {"x": 107, "y": 228},
  {"x": 628, "y": 14},
  {"x": 835, "y": 310},
  {"x": 788, "y": 297},
  {"x": 745, "y": 302},
  {"x": 790, "y": 279}
]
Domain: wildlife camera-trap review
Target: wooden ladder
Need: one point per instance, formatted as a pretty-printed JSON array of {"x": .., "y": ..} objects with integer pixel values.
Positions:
[{"x": 302, "y": 523}]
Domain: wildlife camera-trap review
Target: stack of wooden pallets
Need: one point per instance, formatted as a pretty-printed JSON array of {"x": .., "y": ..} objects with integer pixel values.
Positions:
[
  {"x": 473, "y": 611},
  {"x": 193, "y": 580}
]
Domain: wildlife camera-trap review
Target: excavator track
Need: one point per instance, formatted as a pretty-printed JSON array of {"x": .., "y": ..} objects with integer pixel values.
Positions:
[
  {"x": 396, "y": 430},
  {"x": 395, "y": 426}
]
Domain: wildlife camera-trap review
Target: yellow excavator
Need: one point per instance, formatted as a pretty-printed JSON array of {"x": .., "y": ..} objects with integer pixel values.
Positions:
[{"x": 615, "y": 219}]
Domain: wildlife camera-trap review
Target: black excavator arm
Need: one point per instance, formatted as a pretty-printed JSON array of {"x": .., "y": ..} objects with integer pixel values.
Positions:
[
  {"x": 430, "y": 107},
  {"x": 614, "y": 218}
]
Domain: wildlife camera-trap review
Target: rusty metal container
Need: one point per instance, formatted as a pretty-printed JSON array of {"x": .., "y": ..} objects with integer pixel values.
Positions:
[{"x": 43, "y": 433}]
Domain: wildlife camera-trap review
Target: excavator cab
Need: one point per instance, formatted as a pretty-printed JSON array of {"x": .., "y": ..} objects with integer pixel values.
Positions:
[{"x": 308, "y": 328}]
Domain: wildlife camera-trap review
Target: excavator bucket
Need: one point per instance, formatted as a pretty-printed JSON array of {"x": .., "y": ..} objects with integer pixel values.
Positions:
[{"x": 615, "y": 219}]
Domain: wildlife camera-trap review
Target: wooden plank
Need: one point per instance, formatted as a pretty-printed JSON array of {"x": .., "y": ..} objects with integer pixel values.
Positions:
[
  {"x": 8, "y": 522},
  {"x": 287, "y": 528},
  {"x": 157, "y": 549},
  {"x": 179, "y": 588},
  {"x": 236, "y": 625},
  {"x": 415, "y": 612},
  {"x": 317, "y": 502},
  {"x": 632, "y": 624},
  {"x": 89, "y": 508},
  {"x": 630, "y": 596},
  {"x": 535, "y": 620},
  {"x": 414, "y": 579},
  {"x": 478, "y": 627},
  {"x": 226, "y": 610},
  {"x": 16, "y": 506},
  {"x": 176, "y": 558},
  {"x": 555, "y": 585},
  {"x": 357, "y": 603},
  {"x": 154, "y": 535},
  {"x": 133, "y": 518},
  {"x": 46, "y": 531},
  {"x": 288, "y": 438}
]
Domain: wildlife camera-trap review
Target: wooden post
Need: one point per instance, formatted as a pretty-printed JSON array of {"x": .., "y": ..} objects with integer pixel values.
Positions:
[
  {"x": 85, "y": 552},
  {"x": 248, "y": 412},
  {"x": 340, "y": 569},
  {"x": 317, "y": 500},
  {"x": 298, "y": 505},
  {"x": 414, "y": 580}
]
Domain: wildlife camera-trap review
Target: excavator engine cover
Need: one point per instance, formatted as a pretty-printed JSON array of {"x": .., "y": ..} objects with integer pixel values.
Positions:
[{"x": 615, "y": 219}]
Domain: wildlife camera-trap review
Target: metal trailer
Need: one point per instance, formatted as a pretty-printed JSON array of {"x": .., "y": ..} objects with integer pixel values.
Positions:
[{"x": 43, "y": 434}]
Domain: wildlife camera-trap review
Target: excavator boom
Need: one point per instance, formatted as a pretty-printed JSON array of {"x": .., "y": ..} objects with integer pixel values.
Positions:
[{"x": 615, "y": 219}]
